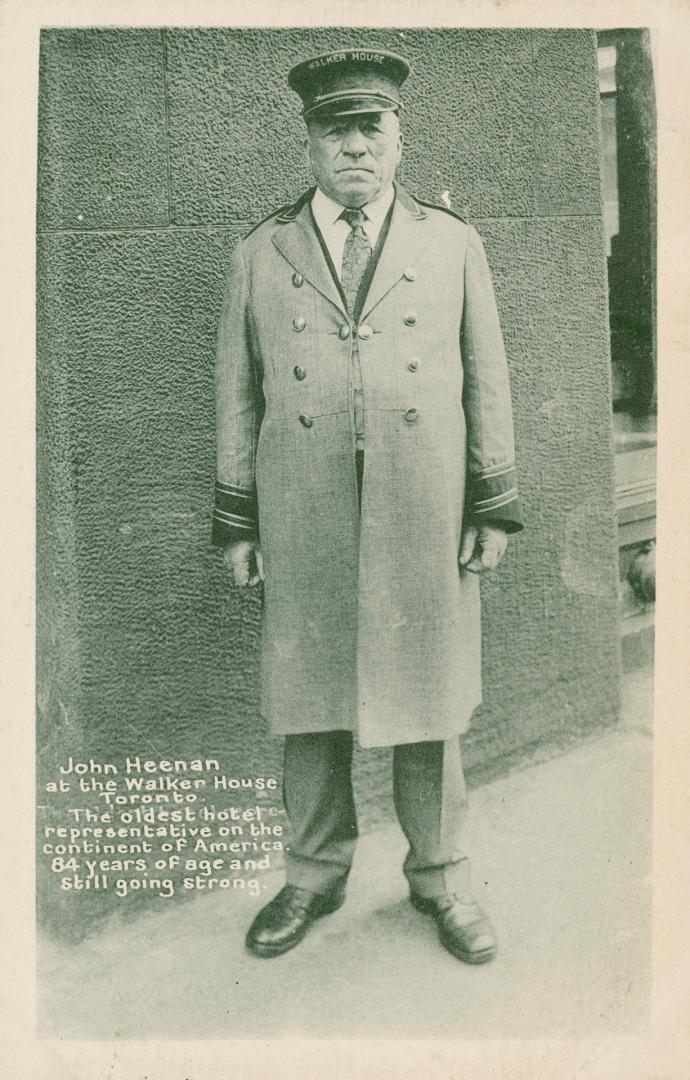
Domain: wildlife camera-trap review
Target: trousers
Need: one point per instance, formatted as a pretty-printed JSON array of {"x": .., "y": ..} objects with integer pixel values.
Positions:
[{"x": 430, "y": 800}]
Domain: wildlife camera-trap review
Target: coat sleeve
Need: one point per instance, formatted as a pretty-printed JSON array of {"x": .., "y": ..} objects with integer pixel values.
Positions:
[
  {"x": 239, "y": 412},
  {"x": 492, "y": 495}
]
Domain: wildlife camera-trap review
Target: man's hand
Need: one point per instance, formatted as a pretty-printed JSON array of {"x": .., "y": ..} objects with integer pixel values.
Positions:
[
  {"x": 481, "y": 548},
  {"x": 245, "y": 560}
]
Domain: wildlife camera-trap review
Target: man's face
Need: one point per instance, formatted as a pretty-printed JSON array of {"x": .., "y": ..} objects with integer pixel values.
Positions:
[{"x": 353, "y": 158}]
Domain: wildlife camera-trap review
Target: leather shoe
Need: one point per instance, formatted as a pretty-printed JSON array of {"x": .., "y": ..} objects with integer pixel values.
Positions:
[
  {"x": 286, "y": 919},
  {"x": 463, "y": 928}
]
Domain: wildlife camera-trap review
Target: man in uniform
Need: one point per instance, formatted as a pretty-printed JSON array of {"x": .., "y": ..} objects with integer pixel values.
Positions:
[{"x": 366, "y": 476}]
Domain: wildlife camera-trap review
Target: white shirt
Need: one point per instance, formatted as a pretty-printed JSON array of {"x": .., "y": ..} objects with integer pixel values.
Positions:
[{"x": 335, "y": 231}]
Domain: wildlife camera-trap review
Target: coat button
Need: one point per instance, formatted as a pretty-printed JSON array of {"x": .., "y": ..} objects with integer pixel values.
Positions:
[
  {"x": 410, "y": 318},
  {"x": 299, "y": 323},
  {"x": 297, "y": 280},
  {"x": 344, "y": 332},
  {"x": 299, "y": 373},
  {"x": 413, "y": 365},
  {"x": 305, "y": 421},
  {"x": 365, "y": 332},
  {"x": 411, "y": 416},
  {"x": 410, "y": 273}
]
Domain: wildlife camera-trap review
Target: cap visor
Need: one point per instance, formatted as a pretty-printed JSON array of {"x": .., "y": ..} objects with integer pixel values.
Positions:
[{"x": 348, "y": 107}]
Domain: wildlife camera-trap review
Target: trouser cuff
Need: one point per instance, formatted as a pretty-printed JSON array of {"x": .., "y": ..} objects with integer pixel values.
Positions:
[
  {"x": 317, "y": 875},
  {"x": 435, "y": 881}
]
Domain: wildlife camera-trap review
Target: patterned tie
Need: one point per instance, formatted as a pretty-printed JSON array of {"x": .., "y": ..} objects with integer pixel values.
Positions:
[{"x": 356, "y": 255}]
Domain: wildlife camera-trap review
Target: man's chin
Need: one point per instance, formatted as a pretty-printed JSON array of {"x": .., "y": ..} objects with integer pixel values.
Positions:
[{"x": 357, "y": 189}]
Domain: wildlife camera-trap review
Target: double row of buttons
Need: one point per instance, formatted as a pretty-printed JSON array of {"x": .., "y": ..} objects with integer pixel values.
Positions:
[{"x": 364, "y": 333}]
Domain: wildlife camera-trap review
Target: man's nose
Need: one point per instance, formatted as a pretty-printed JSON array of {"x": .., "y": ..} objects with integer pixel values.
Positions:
[{"x": 354, "y": 143}]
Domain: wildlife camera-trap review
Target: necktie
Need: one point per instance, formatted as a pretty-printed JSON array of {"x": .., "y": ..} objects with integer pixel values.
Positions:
[{"x": 356, "y": 255}]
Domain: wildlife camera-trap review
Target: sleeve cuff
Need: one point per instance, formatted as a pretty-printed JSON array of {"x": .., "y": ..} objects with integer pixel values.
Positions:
[
  {"x": 508, "y": 519},
  {"x": 492, "y": 499},
  {"x": 235, "y": 515}
]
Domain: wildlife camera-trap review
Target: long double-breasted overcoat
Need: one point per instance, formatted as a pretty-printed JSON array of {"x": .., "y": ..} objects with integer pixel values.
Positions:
[{"x": 369, "y": 624}]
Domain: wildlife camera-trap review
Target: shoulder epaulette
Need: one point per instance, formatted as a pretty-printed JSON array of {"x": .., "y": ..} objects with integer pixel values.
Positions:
[
  {"x": 444, "y": 208},
  {"x": 284, "y": 214},
  {"x": 274, "y": 213}
]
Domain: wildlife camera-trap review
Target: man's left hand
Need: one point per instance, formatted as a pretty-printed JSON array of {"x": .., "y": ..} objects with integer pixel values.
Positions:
[{"x": 482, "y": 548}]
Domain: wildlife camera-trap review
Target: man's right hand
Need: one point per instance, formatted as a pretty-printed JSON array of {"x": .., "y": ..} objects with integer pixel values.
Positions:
[{"x": 245, "y": 560}]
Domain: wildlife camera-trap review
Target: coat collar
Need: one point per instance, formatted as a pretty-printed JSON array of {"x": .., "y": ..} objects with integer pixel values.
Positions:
[{"x": 297, "y": 241}]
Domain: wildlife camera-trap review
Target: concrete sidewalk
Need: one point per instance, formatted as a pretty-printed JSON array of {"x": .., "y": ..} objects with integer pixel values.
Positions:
[{"x": 561, "y": 854}]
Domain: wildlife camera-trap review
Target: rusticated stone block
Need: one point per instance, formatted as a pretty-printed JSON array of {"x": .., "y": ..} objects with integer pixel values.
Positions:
[{"x": 102, "y": 160}]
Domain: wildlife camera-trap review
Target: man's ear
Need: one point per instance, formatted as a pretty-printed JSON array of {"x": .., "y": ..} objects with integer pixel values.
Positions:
[
  {"x": 307, "y": 150},
  {"x": 401, "y": 139}
]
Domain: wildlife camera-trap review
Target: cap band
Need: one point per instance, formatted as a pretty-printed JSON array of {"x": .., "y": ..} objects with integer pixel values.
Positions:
[{"x": 350, "y": 96}]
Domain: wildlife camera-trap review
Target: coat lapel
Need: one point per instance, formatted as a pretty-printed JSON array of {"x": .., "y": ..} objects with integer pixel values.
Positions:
[
  {"x": 407, "y": 238},
  {"x": 297, "y": 241}
]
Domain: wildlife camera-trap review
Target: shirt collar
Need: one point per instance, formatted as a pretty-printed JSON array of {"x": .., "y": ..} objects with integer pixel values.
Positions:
[
  {"x": 327, "y": 210},
  {"x": 378, "y": 209}
]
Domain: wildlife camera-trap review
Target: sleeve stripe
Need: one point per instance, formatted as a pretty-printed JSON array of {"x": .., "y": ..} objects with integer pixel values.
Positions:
[
  {"x": 238, "y": 493},
  {"x": 234, "y": 519},
  {"x": 496, "y": 470},
  {"x": 493, "y": 504}
]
